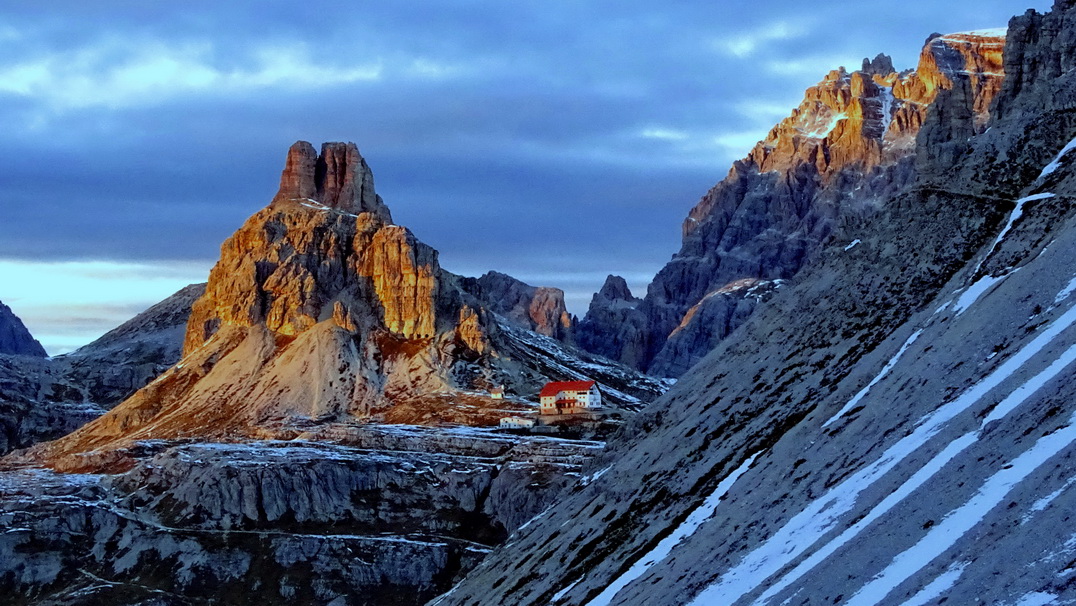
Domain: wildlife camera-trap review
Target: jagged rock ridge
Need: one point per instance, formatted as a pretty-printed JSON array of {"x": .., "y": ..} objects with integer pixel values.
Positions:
[
  {"x": 895, "y": 426},
  {"x": 540, "y": 309},
  {"x": 849, "y": 145}
]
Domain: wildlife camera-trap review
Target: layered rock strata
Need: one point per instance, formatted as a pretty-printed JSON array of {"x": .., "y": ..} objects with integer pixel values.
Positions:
[
  {"x": 847, "y": 147},
  {"x": 395, "y": 522}
]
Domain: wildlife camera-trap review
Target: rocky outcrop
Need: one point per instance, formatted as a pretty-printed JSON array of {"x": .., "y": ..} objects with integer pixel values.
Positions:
[
  {"x": 15, "y": 339},
  {"x": 894, "y": 426},
  {"x": 847, "y": 147},
  {"x": 337, "y": 178},
  {"x": 708, "y": 323},
  {"x": 44, "y": 399},
  {"x": 962, "y": 74},
  {"x": 38, "y": 403},
  {"x": 614, "y": 326},
  {"x": 277, "y": 523},
  {"x": 540, "y": 309},
  {"x": 128, "y": 357},
  {"x": 321, "y": 310}
]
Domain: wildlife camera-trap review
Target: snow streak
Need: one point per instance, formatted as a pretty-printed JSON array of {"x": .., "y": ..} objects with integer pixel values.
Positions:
[
  {"x": 913, "y": 483},
  {"x": 881, "y": 375},
  {"x": 1056, "y": 162},
  {"x": 684, "y": 530},
  {"x": 985, "y": 283},
  {"x": 822, "y": 515},
  {"x": 1037, "y": 598},
  {"x": 938, "y": 586},
  {"x": 959, "y": 521}
]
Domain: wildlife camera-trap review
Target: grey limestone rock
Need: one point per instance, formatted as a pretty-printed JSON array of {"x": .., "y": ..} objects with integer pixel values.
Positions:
[
  {"x": 277, "y": 522},
  {"x": 848, "y": 147},
  {"x": 894, "y": 426},
  {"x": 537, "y": 308},
  {"x": 15, "y": 339}
]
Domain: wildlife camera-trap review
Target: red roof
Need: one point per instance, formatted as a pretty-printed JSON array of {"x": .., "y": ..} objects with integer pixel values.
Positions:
[{"x": 552, "y": 389}]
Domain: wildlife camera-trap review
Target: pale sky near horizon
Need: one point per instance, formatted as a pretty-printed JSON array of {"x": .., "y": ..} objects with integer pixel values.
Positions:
[{"x": 554, "y": 141}]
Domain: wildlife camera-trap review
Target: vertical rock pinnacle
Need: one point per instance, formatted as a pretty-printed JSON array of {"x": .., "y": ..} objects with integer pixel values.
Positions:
[
  {"x": 297, "y": 180},
  {"x": 339, "y": 178}
]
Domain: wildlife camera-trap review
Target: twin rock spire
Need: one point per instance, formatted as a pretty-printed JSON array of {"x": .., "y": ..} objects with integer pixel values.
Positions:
[{"x": 337, "y": 178}]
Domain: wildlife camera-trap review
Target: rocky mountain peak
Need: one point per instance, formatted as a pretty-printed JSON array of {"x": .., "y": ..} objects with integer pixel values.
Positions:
[
  {"x": 337, "y": 178},
  {"x": 615, "y": 288},
  {"x": 15, "y": 338},
  {"x": 850, "y": 144},
  {"x": 871, "y": 117},
  {"x": 882, "y": 65},
  {"x": 320, "y": 310}
]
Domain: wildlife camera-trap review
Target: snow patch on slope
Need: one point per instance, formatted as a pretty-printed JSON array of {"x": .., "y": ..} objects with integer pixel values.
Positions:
[
  {"x": 975, "y": 291},
  {"x": 823, "y": 515},
  {"x": 961, "y": 520},
  {"x": 881, "y": 375},
  {"x": 1037, "y": 598},
  {"x": 938, "y": 586},
  {"x": 1055, "y": 164},
  {"x": 684, "y": 530},
  {"x": 985, "y": 283},
  {"x": 1066, "y": 292}
]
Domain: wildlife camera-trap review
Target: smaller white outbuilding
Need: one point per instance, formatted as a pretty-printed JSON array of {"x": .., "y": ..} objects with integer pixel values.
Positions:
[{"x": 516, "y": 423}]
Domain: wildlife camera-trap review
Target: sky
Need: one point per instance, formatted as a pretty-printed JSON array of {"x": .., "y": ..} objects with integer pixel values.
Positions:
[{"x": 555, "y": 141}]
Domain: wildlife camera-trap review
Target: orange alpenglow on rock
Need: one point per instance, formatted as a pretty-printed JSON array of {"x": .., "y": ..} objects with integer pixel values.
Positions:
[
  {"x": 319, "y": 307},
  {"x": 321, "y": 310},
  {"x": 848, "y": 147}
]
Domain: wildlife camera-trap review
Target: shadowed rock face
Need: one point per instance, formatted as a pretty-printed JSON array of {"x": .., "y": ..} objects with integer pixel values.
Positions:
[
  {"x": 125, "y": 359},
  {"x": 43, "y": 399},
  {"x": 321, "y": 310},
  {"x": 540, "y": 309},
  {"x": 709, "y": 322},
  {"x": 614, "y": 327},
  {"x": 15, "y": 339},
  {"x": 849, "y": 145},
  {"x": 894, "y": 426}
]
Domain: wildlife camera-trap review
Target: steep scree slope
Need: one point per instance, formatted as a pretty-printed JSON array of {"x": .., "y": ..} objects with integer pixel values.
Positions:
[{"x": 896, "y": 426}]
